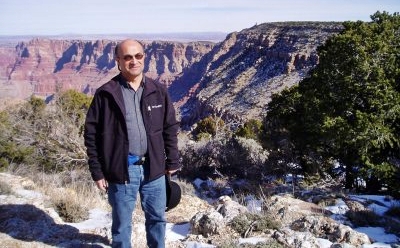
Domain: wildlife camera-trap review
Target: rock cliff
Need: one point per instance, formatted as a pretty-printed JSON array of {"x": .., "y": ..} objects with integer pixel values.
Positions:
[
  {"x": 42, "y": 66},
  {"x": 233, "y": 79},
  {"x": 241, "y": 73}
]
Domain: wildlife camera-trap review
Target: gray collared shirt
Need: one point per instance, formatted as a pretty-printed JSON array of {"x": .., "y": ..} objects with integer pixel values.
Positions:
[{"x": 134, "y": 120}]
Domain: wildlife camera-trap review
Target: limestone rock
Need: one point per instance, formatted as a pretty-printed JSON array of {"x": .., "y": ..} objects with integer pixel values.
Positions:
[
  {"x": 229, "y": 209},
  {"x": 207, "y": 223}
]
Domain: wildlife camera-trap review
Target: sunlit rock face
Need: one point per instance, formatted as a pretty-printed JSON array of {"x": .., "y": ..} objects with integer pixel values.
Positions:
[
  {"x": 42, "y": 67},
  {"x": 233, "y": 78},
  {"x": 242, "y": 72}
]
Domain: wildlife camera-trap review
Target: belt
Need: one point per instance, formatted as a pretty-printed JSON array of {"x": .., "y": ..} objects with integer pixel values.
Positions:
[
  {"x": 136, "y": 160},
  {"x": 140, "y": 161}
]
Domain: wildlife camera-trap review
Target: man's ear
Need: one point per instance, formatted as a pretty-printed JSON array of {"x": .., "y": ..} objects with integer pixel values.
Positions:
[{"x": 117, "y": 61}]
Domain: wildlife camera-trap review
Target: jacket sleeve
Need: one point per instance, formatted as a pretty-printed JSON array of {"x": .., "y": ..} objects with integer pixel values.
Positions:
[
  {"x": 91, "y": 133},
  {"x": 170, "y": 135}
]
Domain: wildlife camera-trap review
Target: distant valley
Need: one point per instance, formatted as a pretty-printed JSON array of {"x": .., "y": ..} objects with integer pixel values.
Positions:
[{"x": 232, "y": 76}]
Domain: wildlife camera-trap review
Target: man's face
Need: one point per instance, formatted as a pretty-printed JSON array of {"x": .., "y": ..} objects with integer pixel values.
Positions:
[{"x": 130, "y": 59}]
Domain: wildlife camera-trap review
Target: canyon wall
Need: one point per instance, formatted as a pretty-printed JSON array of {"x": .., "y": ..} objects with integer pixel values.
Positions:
[
  {"x": 233, "y": 79},
  {"x": 42, "y": 67},
  {"x": 240, "y": 74}
]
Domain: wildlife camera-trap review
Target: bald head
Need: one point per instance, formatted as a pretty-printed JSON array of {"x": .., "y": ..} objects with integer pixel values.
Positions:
[
  {"x": 126, "y": 43},
  {"x": 129, "y": 55}
]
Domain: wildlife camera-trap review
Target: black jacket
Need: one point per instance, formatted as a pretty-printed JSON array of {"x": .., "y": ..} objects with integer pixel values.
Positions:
[{"x": 106, "y": 135}]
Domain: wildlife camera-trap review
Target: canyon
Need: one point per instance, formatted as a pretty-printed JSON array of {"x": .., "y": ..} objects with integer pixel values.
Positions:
[{"x": 233, "y": 78}]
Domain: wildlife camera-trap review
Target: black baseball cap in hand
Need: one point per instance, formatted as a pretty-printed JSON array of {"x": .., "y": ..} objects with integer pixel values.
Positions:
[{"x": 174, "y": 193}]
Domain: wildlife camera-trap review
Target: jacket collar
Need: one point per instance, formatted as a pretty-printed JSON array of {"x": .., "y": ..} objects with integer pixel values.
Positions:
[{"x": 114, "y": 88}]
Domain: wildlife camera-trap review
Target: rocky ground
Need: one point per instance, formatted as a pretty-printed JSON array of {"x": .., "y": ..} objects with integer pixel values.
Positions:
[{"x": 28, "y": 220}]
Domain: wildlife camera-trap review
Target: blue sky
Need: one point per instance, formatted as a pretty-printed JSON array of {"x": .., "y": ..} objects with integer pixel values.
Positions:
[{"x": 55, "y": 17}]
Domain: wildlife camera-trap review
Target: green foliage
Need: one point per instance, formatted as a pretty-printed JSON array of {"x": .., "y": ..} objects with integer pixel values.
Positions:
[
  {"x": 74, "y": 104},
  {"x": 45, "y": 137},
  {"x": 72, "y": 100},
  {"x": 246, "y": 223},
  {"x": 203, "y": 136},
  {"x": 4, "y": 129},
  {"x": 11, "y": 152},
  {"x": 209, "y": 125},
  {"x": 250, "y": 130},
  {"x": 37, "y": 104},
  {"x": 348, "y": 109},
  {"x": 33, "y": 109},
  {"x": 3, "y": 164},
  {"x": 16, "y": 153}
]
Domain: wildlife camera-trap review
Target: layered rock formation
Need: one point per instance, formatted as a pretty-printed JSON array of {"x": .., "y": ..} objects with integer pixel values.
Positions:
[
  {"x": 233, "y": 79},
  {"x": 42, "y": 67},
  {"x": 242, "y": 72}
]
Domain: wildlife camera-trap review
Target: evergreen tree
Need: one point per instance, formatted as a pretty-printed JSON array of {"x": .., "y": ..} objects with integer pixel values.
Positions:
[{"x": 348, "y": 109}]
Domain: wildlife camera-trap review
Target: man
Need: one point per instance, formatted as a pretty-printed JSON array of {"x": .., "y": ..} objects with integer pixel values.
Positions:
[{"x": 131, "y": 140}]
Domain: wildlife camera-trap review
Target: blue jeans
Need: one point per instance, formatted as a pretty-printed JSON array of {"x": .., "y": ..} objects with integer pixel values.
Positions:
[{"x": 122, "y": 198}]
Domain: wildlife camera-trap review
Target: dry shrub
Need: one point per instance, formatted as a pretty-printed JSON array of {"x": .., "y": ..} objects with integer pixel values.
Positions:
[
  {"x": 324, "y": 201},
  {"x": 394, "y": 211},
  {"x": 223, "y": 156},
  {"x": 186, "y": 187},
  {"x": 392, "y": 226},
  {"x": 392, "y": 220},
  {"x": 221, "y": 186},
  {"x": 247, "y": 223},
  {"x": 72, "y": 193},
  {"x": 243, "y": 158},
  {"x": 5, "y": 189},
  {"x": 269, "y": 244},
  {"x": 364, "y": 218},
  {"x": 200, "y": 159},
  {"x": 69, "y": 208}
]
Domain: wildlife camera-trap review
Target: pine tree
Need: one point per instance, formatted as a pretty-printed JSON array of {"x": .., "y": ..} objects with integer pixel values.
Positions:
[{"x": 348, "y": 108}]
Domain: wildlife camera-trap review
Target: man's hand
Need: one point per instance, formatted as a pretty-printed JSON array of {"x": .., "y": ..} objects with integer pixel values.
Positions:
[
  {"x": 102, "y": 185},
  {"x": 170, "y": 172}
]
